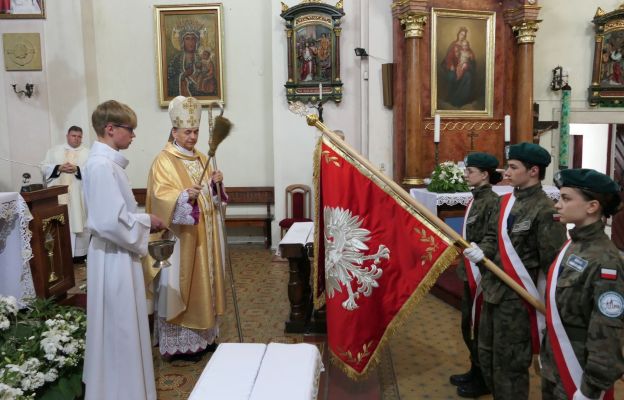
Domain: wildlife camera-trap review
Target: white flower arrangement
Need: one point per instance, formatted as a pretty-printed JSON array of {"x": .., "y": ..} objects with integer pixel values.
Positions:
[
  {"x": 448, "y": 177},
  {"x": 41, "y": 349}
]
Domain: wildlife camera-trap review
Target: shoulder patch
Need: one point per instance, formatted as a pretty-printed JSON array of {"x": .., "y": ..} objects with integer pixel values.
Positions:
[
  {"x": 522, "y": 226},
  {"x": 576, "y": 263},
  {"x": 611, "y": 304}
]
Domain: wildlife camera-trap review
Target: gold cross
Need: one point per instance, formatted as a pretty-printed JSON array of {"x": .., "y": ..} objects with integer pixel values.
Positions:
[
  {"x": 177, "y": 122},
  {"x": 192, "y": 121},
  {"x": 189, "y": 105}
]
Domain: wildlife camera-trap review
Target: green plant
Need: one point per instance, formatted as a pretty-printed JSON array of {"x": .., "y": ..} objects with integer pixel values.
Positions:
[
  {"x": 447, "y": 177},
  {"x": 41, "y": 350}
]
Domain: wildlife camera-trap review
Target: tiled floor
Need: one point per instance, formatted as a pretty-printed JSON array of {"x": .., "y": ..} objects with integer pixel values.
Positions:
[{"x": 420, "y": 358}]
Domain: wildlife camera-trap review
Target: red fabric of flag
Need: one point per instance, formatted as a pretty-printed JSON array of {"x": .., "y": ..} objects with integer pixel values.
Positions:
[{"x": 375, "y": 256}]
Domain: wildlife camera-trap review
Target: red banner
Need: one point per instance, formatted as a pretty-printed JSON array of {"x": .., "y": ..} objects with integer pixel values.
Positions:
[{"x": 375, "y": 256}]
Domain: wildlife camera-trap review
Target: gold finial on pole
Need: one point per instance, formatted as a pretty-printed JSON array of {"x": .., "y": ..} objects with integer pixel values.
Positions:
[{"x": 312, "y": 119}]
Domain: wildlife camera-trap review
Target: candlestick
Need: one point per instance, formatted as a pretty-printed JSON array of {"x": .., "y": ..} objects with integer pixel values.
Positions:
[
  {"x": 436, "y": 129},
  {"x": 507, "y": 128},
  {"x": 320, "y": 91}
]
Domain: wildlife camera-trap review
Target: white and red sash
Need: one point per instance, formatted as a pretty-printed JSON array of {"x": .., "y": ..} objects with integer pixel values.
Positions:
[
  {"x": 474, "y": 280},
  {"x": 514, "y": 267},
  {"x": 568, "y": 366}
]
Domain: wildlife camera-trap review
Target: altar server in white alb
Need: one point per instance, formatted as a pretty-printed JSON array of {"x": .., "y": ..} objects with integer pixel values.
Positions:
[
  {"x": 118, "y": 360},
  {"x": 63, "y": 165}
]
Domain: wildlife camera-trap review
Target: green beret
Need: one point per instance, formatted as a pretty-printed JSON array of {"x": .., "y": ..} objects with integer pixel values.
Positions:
[
  {"x": 529, "y": 153},
  {"x": 481, "y": 160},
  {"x": 587, "y": 179}
]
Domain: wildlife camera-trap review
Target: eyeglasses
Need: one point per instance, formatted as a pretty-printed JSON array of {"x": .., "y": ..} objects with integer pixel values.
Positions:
[{"x": 128, "y": 128}]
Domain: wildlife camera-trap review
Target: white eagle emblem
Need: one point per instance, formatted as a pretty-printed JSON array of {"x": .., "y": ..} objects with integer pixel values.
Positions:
[{"x": 344, "y": 256}]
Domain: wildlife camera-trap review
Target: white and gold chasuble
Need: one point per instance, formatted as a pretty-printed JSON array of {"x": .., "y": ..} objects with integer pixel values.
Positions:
[{"x": 191, "y": 293}]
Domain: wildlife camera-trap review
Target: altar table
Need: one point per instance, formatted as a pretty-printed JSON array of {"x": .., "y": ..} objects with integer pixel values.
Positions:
[
  {"x": 15, "y": 250},
  {"x": 255, "y": 371},
  {"x": 298, "y": 246},
  {"x": 433, "y": 200}
]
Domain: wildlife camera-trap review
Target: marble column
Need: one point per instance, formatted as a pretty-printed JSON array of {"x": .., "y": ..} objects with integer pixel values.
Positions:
[{"x": 413, "y": 25}]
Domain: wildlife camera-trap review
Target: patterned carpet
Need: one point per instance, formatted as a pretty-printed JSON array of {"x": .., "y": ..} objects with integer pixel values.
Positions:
[{"x": 417, "y": 364}]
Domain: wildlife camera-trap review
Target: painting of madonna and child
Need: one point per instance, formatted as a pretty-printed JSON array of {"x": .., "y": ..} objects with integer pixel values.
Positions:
[
  {"x": 189, "y": 52},
  {"x": 462, "y": 67}
]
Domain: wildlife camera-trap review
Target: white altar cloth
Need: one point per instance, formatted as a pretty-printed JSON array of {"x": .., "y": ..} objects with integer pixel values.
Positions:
[
  {"x": 433, "y": 200},
  {"x": 288, "y": 372},
  {"x": 254, "y": 371},
  {"x": 15, "y": 251},
  {"x": 230, "y": 373}
]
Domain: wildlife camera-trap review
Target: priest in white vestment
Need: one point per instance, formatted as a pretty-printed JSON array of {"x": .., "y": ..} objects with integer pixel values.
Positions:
[
  {"x": 188, "y": 296},
  {"x": 62, "y": 166},
  {"x": 118, "y": 360}
]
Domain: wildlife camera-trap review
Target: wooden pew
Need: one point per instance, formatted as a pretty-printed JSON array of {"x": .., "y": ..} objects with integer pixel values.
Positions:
[
  {"x": 241, "y": 196},
  {"x": 251, "y": 195}
]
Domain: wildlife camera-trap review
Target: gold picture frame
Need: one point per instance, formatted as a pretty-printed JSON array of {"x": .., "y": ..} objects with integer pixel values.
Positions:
[
  {"x": 189, "y": 48},
  {"x": 462, "y": 63},
  {"x": 22, "y": 9},
  {"x": 22, "y": 51}
]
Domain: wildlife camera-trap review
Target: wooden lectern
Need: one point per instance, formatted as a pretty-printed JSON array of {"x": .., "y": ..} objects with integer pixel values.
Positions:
[{"x": 51, "y": 265}]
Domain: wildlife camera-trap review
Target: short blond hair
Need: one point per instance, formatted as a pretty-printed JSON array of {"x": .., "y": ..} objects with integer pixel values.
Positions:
[{"x": 114, "y": 112}]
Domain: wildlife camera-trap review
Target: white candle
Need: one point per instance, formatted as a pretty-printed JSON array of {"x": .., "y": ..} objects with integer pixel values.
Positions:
[
  {"x": 320, "y": 91},
  {"x": 436, "y": 129},
  {"x": 507, "y": 128}
]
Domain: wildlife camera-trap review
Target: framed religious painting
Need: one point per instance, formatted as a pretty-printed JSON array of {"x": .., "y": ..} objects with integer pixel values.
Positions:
[
  {"x": 462, "y": 63},
  {"x": 22, "y": 9},
  {"x": 313, "y": 37},
  {"x": 189, "y": 48},
  {"x": 607, "y": 87}
]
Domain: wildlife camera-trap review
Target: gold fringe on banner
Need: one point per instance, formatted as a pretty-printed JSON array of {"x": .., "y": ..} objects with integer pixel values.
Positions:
[{"x": 319, "y": 300}]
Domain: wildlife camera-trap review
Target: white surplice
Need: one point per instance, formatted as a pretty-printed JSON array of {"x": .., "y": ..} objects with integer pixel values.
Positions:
[
  {"x": 118, "y": 361},
  {"x": 57, "y": 156}
]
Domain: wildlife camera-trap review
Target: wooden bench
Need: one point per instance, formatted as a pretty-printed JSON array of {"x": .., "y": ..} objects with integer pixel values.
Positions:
[
  {"x": 237, "y": 196},
  {"x": 251, "y": 195}
]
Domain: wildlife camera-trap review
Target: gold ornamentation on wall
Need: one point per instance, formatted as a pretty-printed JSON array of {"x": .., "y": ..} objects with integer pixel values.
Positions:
[
  {"x": 526, "y": 31},
  {"x": 613, "y": 26},
  {"x": 413, "y": 24},
  {"x": 461, "y": 126}
]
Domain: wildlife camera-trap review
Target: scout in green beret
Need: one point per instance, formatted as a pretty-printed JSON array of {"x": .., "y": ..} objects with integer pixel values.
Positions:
[
  {"x": 531, "y": 236},
  {"x": 593, "y": 185},
  {"x": 480, "y": 216},
  {"x": 585, "y": 293}
]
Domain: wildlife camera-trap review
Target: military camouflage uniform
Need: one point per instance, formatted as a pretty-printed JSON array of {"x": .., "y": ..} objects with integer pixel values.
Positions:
[
  {"x": 483, "y": 213},
  {"x": 504, "y": 330},
  {"x": 597, "y": 339}
]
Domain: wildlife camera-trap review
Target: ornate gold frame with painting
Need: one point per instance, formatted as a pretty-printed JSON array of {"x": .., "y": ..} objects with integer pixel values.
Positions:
[
  {"x": 607, "y": 87},
  {"x": 313, "y": 34},
  {"x": 22, "y": 9},
  {"x": 462, "y": 63},
  {"x": 189, "y": 48}
]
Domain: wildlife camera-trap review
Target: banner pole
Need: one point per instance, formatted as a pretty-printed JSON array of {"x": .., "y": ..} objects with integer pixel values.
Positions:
[{"x": 459, "y": 241}]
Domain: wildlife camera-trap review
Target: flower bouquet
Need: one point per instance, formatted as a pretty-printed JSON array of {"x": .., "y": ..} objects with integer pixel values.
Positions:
[
  {"x": 41, "y": 350},
  {"x": 447, "y": 177}
]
